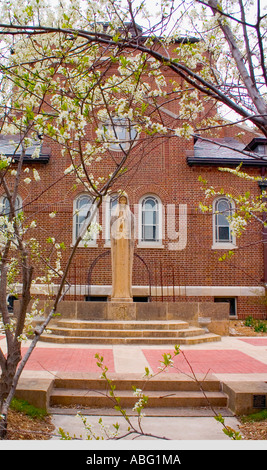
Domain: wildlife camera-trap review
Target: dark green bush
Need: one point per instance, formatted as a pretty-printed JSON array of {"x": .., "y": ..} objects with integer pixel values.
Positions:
[
  {"x": 258, "y": 325},
  {"x": 24, "y": 407},
  {"x": 249, "y": 321}
]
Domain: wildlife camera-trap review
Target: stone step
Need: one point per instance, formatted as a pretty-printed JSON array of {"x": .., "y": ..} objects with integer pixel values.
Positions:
[
  {"x": 159, "y": 398},
  {"x": 124, "y": 325},
  {"x": 121, "y": 333},
  {"x": 164, "y": 382},
  {"x": 208, "y": 337},
  {"x": 172, "y": 392},
  {"x": 126, "y": 332}
]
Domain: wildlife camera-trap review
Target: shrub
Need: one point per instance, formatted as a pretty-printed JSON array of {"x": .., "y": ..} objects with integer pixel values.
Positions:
[
  {"x": 24, "y": 407},
  {"x": 249, "y": 321},
  {"x": 258, "y": 325}
]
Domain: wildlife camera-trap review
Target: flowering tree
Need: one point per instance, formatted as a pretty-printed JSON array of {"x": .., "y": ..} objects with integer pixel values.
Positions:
[
  {"x": 233, "y": 33},
  {"x": 75, "y": 73},
  {"x": 60, "y": 88}
]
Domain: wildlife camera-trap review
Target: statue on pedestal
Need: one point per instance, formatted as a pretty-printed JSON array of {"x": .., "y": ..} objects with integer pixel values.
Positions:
[{"x": 122, "y": 249}]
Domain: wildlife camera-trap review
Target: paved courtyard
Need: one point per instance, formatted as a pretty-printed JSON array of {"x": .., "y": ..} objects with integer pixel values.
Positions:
[
  {"x": 232, "y": 359},
  {"x": 235, "y": 358}
]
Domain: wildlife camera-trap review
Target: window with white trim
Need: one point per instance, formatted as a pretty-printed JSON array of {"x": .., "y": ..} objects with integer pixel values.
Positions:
[
  {"x": 5, "y": 206},
  {"x": 82, "y": 211},
  {"x": 110, "y": 204},
  {"x": 5, "y": 213},
  {"x": 232, "y": 304},
  {"x": 120, "y": 134},
  {"x": 222, "y": 234},
  {"x": 150, "y": 221}
]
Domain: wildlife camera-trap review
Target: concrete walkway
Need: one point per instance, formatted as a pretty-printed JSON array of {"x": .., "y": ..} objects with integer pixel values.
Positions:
[{"x": 231, "y": 359}]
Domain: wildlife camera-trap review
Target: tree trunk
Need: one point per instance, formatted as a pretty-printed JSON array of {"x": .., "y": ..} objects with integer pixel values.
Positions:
[{"x": 6, "y": 380}]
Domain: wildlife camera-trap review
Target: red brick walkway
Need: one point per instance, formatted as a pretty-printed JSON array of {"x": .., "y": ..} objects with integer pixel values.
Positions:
[
  {"x": 204, "y": 361},
  {"x": 68, "y": 359},
  {"x": 217, "y": 361},
  {"x": 255, "y": 341}
]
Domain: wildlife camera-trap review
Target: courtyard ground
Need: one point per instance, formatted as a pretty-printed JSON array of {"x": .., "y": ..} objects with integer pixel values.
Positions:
[{"x": 22, "y": 427}]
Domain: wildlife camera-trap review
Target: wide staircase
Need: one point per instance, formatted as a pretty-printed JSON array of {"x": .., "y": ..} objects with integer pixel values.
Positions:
[
  {"x": 168, "y": 395},
  {"x": 127, "y": 332}
]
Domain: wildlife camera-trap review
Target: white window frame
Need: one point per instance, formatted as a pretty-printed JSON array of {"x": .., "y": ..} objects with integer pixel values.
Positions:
[
  {"x": 150, "y": 243},
  {"x": 18, "y": 203},
  {"x": 107, "y": 215},
  {"x": 221, "y": 299},
  {"x": 83, "y": 243},
  {"x": 18, "y": 209},
  {"x": 223, "y": 245},
  {"x": 114, "y": 126}
]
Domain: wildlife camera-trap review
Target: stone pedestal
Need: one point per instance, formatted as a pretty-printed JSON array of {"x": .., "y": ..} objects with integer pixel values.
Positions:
[
  {"x": 191, "y": 312},
  {"x": 121, "y": 311},
  {"x": 121, "y": 300}
]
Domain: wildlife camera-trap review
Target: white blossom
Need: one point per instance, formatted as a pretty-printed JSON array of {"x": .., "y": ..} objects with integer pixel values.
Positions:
[
  {"x": 36, "y": 153},
  {"x": 69, "y": 169},
  {"x": 36, "y": 175}
]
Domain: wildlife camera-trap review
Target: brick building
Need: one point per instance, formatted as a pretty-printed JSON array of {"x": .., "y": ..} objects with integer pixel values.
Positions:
[
  {"x": 177, "y": 256},
  {"x": 177, "y": 247}
]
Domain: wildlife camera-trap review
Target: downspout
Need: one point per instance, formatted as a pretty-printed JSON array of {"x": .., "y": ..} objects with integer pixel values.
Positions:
[{"x": 263, "y": 187}]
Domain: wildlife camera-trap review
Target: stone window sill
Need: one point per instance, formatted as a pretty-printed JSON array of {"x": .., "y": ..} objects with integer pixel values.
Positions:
[
  {"x": 150, "y": 245},
  {"x": 224, "y": 246}
]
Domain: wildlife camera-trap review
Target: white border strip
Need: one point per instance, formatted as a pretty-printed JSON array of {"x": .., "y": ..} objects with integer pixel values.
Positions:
[{"x": 178, "y": 291}]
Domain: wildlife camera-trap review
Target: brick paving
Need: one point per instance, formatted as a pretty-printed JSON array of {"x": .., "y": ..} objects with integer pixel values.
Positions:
[
  {"x": 217, "y": 361},
  {"x": 208, "y": 361},
  {"x": 244, "y": 356},
  {"x": 68, "y": 359},
  {"x": 231, "y": 359},
  {"x": 255, "y": 341}
]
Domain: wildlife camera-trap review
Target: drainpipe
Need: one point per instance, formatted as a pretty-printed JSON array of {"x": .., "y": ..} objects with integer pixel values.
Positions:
[{"x": 263, "y": 187}]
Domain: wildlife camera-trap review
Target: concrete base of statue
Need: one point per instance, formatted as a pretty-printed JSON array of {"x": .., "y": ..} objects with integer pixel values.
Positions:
[
  {"x": 191, "y": 312},
  {"x": 121, "y": 310}
]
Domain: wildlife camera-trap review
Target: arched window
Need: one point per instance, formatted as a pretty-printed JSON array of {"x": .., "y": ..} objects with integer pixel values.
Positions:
[
  {"x": 5, "y": 206},
  {"x": 110, "y": 204},
  {"x": 5, "y": 212},
  {"x": 120, "y": 133},
  {"x": 82, "y": 207},
  {"x": 151, "y": 220},
  {"x": 223, "y": 209}
]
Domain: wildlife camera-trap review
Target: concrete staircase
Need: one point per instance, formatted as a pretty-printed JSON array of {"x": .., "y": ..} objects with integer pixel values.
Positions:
[
  {"x": 168, "y": 394},
  {"x": 127, "y": 332}
]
